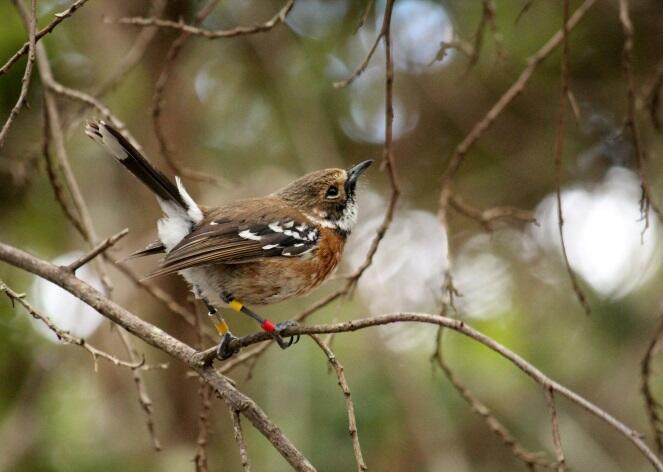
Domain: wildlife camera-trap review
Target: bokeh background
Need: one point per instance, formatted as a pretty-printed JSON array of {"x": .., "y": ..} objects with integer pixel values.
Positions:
[{"x": 258, "y": 111}]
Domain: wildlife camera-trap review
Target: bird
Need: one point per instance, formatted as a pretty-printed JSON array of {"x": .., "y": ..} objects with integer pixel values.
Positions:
[{"x": 255, "y": 251}]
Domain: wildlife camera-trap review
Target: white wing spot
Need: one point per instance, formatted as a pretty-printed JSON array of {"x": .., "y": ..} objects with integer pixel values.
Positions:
[
  {"x": 275, "y": 227},
  {"x": 247, "y": 234},
  {"x": 267, "y": 247}
]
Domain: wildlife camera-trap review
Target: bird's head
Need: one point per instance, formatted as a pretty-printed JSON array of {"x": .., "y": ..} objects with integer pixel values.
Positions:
[{"x": 327, "y": 196}]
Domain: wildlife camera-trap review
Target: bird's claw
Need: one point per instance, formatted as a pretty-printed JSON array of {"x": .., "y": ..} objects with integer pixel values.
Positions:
[
  {"x": 223, "y": 351},
  {"x": 283, "y": 325}
]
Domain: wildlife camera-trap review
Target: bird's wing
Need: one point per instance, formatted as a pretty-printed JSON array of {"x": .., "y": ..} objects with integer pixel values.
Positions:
[{"x": 225, "y": 241}]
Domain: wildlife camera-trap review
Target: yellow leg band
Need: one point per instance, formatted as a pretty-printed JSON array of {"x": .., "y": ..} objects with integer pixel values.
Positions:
[
  {"x": 235, "y": 305},
  {"x": 221, "y": 327}
]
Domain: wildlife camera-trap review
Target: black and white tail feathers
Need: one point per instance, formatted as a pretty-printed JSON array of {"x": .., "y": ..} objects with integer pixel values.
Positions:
[
  {"x": 127, "y": 155},
  {"x": 182, "y": 213}
]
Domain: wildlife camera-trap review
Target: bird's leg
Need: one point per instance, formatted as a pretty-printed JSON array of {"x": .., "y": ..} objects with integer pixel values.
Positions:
[
  {"x": 266, "y": 325},
  {"x": 223, "y": 352}
]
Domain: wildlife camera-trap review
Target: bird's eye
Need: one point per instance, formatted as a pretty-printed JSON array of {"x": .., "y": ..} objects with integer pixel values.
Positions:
[{"x": 332, "y": 192}]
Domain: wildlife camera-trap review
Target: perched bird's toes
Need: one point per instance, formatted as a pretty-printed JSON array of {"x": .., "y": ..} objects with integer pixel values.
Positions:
[
  {"x": 223, "y": 351},
  {"x": 283, "y": 325}
]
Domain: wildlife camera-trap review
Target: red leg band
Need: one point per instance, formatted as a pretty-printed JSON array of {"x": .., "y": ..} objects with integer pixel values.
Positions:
[{"x": 268, "y": 326}]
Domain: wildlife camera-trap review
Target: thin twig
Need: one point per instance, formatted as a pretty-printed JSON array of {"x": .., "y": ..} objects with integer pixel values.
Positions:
[
  {"x": 459, "y": 153},
  {"x": 90, "y": 101},
  {"x": 59, "y": 18},
  {"x": 164, "y": 342},
  {"x": 530, "y": 459},
  {"x": 349, "y": 405},
  {"x": 651, "y": 96},
  {"x": 559, "y": 150},
  {"x": 361, "y": 67},
  {"x": 27, "y": 74},
  {"x": 201, "y": 459},
  {"x": 207, "y": 356},
  {"x": 239, "y": 439},
  {"x": 134, "y": 55},
  {"x": 143, "y": 397},
  {"x": 55, "y": 127},
  {"x": 274, "y": 21},
  {"x": 557, "y": 440},
  {"x": 98, "y": 249},
  {"x": 67, "y": 338},
  {"x": 367, "y": 11},
  {"x": 53, "y": 171},
  {"x": 488, "y": 217},
  {"x": 158, "y": 102},
  {"x": 652, "y": 405},
  {"x": 646, "y": 200}
]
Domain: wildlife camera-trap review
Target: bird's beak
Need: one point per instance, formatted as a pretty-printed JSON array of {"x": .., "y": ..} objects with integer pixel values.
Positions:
[{"x": 355, "y": 171}]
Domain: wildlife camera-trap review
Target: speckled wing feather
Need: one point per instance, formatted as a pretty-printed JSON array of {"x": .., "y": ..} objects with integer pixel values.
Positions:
[{"x": 228, "y": 241}]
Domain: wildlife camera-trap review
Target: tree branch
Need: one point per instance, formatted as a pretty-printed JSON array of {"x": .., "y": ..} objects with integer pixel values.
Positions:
[
  {"x": 162, "y": 341},
  {"x": 27, "y": 74},
  {"x": 276, "y": 20}
]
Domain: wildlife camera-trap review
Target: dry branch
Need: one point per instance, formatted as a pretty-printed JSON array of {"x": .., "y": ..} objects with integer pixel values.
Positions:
[
  {"x": 559, "y": 150},
  {"x": 652, "y": 405},
  {"x": 162, "y": 341},
  {"x": 143, "y": 397},
  {"x": 557, "y": 440},
  {"x": 646, "y": 200},
  {"x": 98, "y": 249},
  {"x": 27, "y": 74},
  {"x": 530, "y": 459},
  {"x": 349, "y": 404},
  {"x": 239, "y": 439},
  {"x": 539, "y": 377},
  {"x": 488, "y": 217},
  {"x": 512, "y": 92},
  {"x": 67, "y": 338},
  {"x": 59, "y": 18},
  {"x": 276, "y": 20},
  {"x": 158, "y": 101}
]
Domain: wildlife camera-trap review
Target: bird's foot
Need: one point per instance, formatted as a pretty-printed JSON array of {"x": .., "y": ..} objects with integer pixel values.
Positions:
[
  {"x": 283, "y": 325},
  {"x": 223, "y": 351}
]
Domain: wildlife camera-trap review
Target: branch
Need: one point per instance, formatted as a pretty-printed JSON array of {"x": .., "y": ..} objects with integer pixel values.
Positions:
[
  {"x": 512, "y": 92},
  {"x": 162, "y": 341},
  {"x": 79, "y": 210},
  {"x": 158, "y": 102},
  {"x": 67, "y": 338},
  {"x": 652, "y": 406},
  {"x": 646, "y": 201},
  {"x": 488, "y": 217},
  {"x": 27, "y": 74},
  {"x": 59, "y": 18},
  {"x": 559, "y": 149},
  {"x": 143, "y": 397},
  {"x": 239, "y": 439},
  {"x": 460, "y": 326},
  {"x": 276, "y": 20},
  {"x": 98, "y": 249},
  {"x": 557, "y": 440},
  {"x": 345, "y": 388},
  {"x": 384, "y": 31},
  {"x": 530, "y": 459}
]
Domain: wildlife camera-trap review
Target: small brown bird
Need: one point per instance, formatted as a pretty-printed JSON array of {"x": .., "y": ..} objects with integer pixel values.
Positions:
[{"x": 257, "y": 251}]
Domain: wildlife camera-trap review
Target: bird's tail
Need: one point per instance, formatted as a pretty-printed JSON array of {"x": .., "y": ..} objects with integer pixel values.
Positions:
[
  {"x": 181, "y": 212},
  {"x": 127, "y": 155}
]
